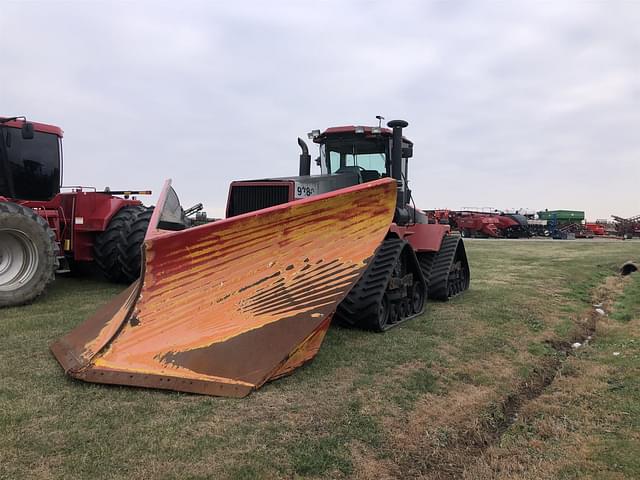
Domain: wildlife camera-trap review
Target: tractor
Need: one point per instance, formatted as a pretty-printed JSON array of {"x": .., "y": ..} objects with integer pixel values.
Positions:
[
  {"x": 418, "y": 258},
  {"x": 223, "y": 307},
  {"x": 44, "y": 231}
]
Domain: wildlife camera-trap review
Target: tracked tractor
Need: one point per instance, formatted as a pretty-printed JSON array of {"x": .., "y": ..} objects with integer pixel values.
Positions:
[
  {"x": 223, "y": 307},
  {"x": 44, "y": 231},
  {"x": 416, "y": 259}
]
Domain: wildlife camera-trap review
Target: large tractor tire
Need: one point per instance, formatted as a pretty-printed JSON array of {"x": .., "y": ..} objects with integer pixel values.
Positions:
[
  {"x": 132, "y": 254},
  {"x": 117, "y": 249},
  {"x": 28, "y": 255}
]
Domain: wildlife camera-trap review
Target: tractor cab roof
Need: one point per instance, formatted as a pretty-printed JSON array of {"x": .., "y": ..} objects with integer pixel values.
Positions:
[
  {"x": 347, "y": 130},
  {"x": 38, "y": 127}
]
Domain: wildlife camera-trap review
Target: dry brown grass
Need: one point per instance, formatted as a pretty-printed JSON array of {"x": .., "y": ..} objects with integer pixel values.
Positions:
[{"x": 558, "y": 433}]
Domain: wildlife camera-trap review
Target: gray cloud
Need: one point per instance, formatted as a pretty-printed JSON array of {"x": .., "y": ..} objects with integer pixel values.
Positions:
[{"x": 510, "y": 104}]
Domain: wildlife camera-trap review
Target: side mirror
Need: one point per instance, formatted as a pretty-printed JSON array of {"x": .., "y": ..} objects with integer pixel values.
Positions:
[
  {"x": 27, "y": 131},
  {"x": 407, "y": 152}
]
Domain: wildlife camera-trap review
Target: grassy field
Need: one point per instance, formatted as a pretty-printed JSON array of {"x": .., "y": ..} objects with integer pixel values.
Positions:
[{"x": 485, "y": 386}]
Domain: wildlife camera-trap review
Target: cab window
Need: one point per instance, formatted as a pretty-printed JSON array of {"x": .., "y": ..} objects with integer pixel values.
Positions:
[
  {"x": 366, "y": 154},
  {"x": 30, "y": 167}
]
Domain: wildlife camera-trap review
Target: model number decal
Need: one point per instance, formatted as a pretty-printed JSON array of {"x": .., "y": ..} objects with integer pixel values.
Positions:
[{"x": 303, "y": 190}]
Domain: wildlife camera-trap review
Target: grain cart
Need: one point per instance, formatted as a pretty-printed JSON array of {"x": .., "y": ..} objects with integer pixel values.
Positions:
[
  {"x": 44, "y": 230},
  {"x": 224, "y": 307}
]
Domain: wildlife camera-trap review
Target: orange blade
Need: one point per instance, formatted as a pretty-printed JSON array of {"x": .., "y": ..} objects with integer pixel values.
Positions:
[{"x": 224, "y": 307}]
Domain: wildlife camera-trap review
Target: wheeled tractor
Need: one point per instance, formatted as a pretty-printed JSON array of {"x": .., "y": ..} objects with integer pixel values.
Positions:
[{"x": 44, "y": 231}]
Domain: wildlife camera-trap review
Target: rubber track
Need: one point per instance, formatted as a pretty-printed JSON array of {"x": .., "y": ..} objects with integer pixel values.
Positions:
[
  {"x": 360, "y": 307},
  {"x": 439, "y": 274},
  {"x": 425, "y": 259}
]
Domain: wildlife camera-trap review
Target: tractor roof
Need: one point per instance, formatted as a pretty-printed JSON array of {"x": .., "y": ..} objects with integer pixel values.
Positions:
[
  {"x": 352, "y": 129},
  {"x": 38, "y": 127},
  {"x": 357, "y": 130}
]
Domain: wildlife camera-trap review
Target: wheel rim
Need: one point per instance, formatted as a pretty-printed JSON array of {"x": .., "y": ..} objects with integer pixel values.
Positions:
[{"x": 18, "y": 259}]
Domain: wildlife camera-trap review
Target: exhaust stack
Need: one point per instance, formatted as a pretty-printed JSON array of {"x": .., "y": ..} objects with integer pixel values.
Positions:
[
  {"x": 396, "y": 152},
  {"x": 402, "y": 215},
  {"x": 305, "y": 159}
]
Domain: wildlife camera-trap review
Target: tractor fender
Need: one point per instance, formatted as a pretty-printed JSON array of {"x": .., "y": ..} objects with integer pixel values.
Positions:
[{"x": 423, "y": 237}]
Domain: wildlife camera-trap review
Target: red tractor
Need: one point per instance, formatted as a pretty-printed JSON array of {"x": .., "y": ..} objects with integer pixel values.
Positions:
[
  {"x": 44, "y": 231},
  {"x": 226, "y": 306},
  {"x": 417, "y": 259}
]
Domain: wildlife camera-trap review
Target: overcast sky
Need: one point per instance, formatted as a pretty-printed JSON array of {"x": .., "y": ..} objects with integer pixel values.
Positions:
[{"x": 510, "y": 105}]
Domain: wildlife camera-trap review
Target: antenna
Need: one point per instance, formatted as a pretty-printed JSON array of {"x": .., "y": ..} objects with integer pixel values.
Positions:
[{"x": 380, "y": 119}]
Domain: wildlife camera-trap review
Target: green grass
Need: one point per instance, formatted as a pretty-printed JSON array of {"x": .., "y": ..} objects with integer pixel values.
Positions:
[
  {"x": 628, "y": 305},
  {"x": 369, "y": 404},
  {"x": 618, "y": 446}
]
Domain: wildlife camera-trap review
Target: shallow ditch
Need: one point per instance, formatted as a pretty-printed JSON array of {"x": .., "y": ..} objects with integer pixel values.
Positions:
[{"x": 500, "y": 416}]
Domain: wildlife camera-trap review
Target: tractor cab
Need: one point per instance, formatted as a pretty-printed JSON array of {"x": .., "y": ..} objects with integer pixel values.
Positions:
[
  {"x": 367, "y": 150},
  {"x": 349, "y": 156},
  {"x": 30, "y": 159},
  {"x": 341, "y": 149},
  {"x": 371, "y": 153}
]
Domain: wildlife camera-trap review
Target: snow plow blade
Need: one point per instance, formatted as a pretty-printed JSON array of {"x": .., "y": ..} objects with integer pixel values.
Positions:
[{"x": 224, "y": 307}]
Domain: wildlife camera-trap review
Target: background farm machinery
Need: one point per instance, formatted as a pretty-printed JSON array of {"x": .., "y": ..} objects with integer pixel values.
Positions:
[
  {"x": 598, "y": 229},
  {"x": 565, "y": 224},
  {"x": 627, "y": 227},
  {"x": 495, "y": 224},
  {"x": 557, "y": 224}
]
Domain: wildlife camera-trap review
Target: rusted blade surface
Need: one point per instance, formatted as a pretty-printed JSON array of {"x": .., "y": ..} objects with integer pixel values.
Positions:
[{"x": 226, "y": 306}]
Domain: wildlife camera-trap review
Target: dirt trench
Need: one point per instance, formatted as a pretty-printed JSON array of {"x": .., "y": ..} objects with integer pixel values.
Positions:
[{"x": 466, "y": 446}]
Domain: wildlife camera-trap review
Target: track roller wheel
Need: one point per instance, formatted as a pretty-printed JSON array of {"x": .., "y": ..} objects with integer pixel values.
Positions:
[
  {"x": 394, "y": 313},
  {"x": 418, "y": 298},
  {"x": 380, "y": 322}
]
